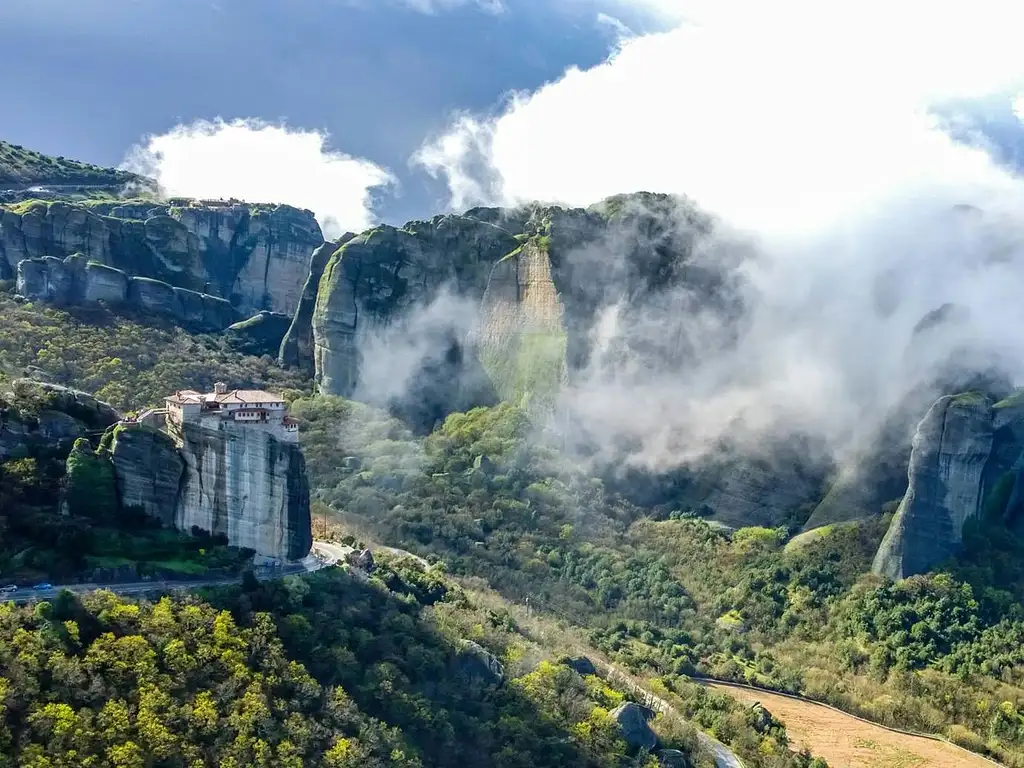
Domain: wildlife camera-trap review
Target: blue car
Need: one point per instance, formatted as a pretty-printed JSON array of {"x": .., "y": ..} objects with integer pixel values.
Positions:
[{"x": 42, "y": 587}]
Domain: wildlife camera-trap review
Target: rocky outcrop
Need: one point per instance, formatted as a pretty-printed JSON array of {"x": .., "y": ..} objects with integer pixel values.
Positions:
[
  {"x": 632, "y": 719},
  {"x": 236, "y": 481},
  {"x": 242, "y": 482},
  {"x": 965, "y": 465},
  {"x": 254, "y": 256},
  {"x": 148, "y": 471},
  {"x": 877, "y": 475},
  {"x": 521, "y": 339},
  {"x": 376, "y": 279},
  {"x": 297, "y": 346},
  {"x": 475, "y": 662},
  {"x": 75, "y": 280},
  {"x": 260, "y": 334},
  {"x": 38, "y": 419}
]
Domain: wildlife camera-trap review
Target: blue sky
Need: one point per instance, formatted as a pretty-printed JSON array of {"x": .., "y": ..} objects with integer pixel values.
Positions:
[
  {"x": 95, "y": 76},
  {"x": 382, "y": 77}
]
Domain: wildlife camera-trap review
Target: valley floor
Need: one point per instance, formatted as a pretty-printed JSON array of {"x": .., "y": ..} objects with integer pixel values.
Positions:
[{"x": 847, "y": 742}]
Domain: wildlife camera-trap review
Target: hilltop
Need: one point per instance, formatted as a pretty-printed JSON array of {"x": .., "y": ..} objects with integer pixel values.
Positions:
[{"x": 21, "y": 167}]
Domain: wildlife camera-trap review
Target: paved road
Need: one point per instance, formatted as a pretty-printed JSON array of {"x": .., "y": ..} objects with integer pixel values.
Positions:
[{"x": 323, "y": 554}]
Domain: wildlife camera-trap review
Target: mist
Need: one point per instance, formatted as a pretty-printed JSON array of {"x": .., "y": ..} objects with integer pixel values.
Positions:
[{"x": 814, "y": 135}]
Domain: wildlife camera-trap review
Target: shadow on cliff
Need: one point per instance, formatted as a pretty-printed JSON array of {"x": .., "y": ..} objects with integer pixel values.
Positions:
[{"x": 450, "y": 698}]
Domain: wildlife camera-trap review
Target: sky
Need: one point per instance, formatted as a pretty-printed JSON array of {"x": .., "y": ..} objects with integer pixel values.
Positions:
[
  {"x": 95, "y": 77},
  {"x": 380, "y": 111}
]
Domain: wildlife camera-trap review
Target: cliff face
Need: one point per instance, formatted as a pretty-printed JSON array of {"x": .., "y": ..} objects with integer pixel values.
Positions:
[
  {"x": 236, "y": 480},
  {"x": 242, "y": 482},
  {"x": 297, "y": 345},
  {"x": 965, "y": 465},
  {"x": 149, "y": 472},
  {"x": 521, "y": 339},
  {"x": 75, "y": 280},
  {"x": 255, "y": 257},
  {"x": 375, "y": 279}
]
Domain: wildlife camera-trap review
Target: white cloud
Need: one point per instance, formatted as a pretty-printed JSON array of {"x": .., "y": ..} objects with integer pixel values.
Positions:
[
  {"x": 768, "y": 114},
  {"x": 260, "y": 162},
  {"x": 808, "y": 126}
]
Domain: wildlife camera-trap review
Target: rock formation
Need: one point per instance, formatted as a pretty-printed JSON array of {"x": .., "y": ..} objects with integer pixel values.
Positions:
[
  {"x": 260, "y": 334},
  {"x": 235, "y": 480},
  {"x": 46, "y": 419},
  {"x": 255, "y": 257},
  {"x": 632, "y": 720},
  {"x": 297, "y": 345},
  {"x": 149, "y": 472},
  {"x": 376, "y": 279},
  {"x": 75, "y": 280},
  {"x": 965, "y": 466}
]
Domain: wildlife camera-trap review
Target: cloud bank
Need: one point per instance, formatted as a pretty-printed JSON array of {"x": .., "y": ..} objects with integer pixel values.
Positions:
[
  {"x": 812, "y": 130},
  {"x": 261, "y": 162}
]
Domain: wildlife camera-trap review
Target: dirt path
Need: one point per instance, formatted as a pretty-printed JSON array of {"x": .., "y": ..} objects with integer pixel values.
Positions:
[{"x": 846, "y": 742}]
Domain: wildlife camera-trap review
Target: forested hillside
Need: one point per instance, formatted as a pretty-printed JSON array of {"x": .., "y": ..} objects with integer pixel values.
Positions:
[
  {"x": 326, "y": 671},
  {"x": 675, "y": 596}
]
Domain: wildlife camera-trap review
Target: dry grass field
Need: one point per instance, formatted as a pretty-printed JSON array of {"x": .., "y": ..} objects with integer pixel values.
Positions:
[{"x": 846, "y": 742}]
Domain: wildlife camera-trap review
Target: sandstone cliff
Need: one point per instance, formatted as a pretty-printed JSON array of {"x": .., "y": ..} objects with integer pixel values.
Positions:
[
  {"x": 246, "y": 484},
  {"x": 237, "y": 480},
  {"x": 76, "y": 280},
  {"x": 377, "y": 278},
  {"x": 297, "y": 345},
  {"x": 965, "y": 466},
  {"x": 254, "y": 256}
]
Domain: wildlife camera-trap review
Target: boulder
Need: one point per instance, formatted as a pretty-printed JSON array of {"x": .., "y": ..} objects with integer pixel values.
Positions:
[
  {"x": 632, "y": 720},
  {"x": 582, "y": 665},
  {"x": 202, "y": 312},
  {"x": 261, "y": 334},
  {"x": 476, "y": 662},
  {"x": 150, "y": 295},
  {"x": 46, "y": 279},
  {"x": 361, "y": 559},
  {"x": 104, "y": 283}
]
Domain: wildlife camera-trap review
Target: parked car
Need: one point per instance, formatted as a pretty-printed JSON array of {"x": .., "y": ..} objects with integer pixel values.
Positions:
[
  {"x": 43, "y": 587},
  {"x": 8, "y": 589}
]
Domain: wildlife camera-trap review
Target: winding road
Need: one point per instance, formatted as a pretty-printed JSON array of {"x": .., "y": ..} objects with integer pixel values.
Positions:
[{"x": 323, "y": 555}]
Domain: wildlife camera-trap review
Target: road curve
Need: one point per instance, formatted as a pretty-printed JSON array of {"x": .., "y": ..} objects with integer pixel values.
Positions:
[{"x": 322, "y": 555}]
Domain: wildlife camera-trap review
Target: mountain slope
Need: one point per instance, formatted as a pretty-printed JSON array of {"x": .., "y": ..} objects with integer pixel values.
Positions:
[{"x": 21, "y": 167}]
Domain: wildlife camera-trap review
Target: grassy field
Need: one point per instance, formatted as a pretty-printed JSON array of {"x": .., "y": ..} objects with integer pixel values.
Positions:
[{"x": 846, "y": 742}]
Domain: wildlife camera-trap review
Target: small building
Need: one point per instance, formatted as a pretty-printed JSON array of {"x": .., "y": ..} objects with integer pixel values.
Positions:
[{"x": 243, "y": 406}]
